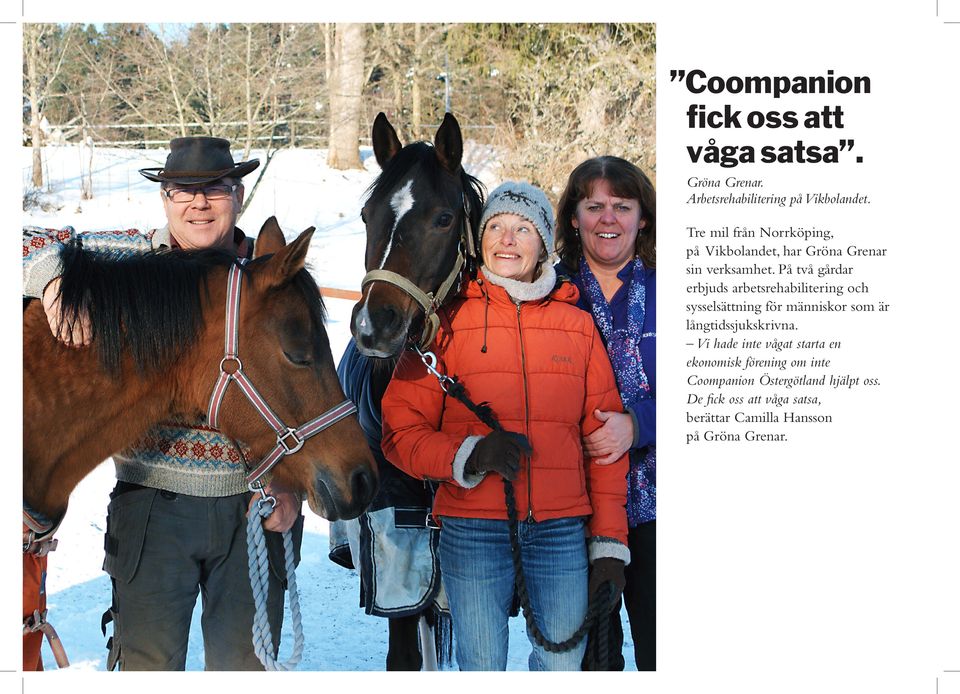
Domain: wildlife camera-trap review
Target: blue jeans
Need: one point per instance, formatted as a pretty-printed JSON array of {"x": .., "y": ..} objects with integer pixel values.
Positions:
[{"x": 477, "y": 569}]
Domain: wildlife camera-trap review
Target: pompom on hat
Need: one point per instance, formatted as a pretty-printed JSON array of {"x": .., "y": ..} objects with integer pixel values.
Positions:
[
  {"x": 194, "y": 160},
  {"x": 523, "y": 199}
]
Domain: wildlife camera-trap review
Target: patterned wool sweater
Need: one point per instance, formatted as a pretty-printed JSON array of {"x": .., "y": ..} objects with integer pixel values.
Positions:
[{"x": 182, "y": 457}]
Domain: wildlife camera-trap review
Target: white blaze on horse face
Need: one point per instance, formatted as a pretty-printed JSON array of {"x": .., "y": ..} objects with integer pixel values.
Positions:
[{"x": 401, "y": 203}]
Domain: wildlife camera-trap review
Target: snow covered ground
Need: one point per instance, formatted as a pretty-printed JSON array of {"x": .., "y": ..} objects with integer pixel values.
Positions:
[{"x": 301, "y": 191}]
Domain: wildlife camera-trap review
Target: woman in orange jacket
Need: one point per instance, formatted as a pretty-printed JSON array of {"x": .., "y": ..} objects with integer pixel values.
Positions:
[{"x": 516, "y": 341}]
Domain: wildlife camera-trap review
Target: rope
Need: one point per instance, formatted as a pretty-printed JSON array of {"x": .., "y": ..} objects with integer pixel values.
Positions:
[
  {"x": 259, "y": 569},
  {"x": 601, "y": 602}
]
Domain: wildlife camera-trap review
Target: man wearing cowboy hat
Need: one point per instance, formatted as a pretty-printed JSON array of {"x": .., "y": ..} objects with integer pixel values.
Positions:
[
  {"x": 172, "y": 532},
  {"x": 202, "y": 193}
]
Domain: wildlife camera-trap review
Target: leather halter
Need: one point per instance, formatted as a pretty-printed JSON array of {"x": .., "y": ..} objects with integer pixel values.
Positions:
[
  {"x": 289, "y": 440},
  {"x": 430, "y": 301},
  {"x": 38, "y": 531}
]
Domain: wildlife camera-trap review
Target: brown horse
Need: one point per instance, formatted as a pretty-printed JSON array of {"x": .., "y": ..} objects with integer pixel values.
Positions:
[{"x": 158, "y": 325}]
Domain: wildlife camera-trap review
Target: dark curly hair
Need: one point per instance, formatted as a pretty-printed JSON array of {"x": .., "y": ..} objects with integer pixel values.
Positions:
[{"x": 626, "y": 181}]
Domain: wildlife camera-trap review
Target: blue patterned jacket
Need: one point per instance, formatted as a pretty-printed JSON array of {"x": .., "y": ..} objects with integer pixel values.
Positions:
[{"x": 644, "y": 413}]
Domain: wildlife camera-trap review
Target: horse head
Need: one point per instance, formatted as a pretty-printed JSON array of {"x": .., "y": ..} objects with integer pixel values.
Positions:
[
  {"x": 420, "y": 214},
  {"x": 285, "y": 353}
]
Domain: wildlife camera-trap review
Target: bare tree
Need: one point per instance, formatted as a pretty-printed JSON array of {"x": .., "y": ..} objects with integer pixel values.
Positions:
[
  {"x": 345, "y": 91},
  {"x": 569, "y": 92},
  {"x": 86, "y": 152},
  {"x": 180, "y": 87},
  {"x": 143, "y": 76},
  {"x": 548, "y": 95},
  {"x": 43, "y": 59},
  {"x": 405, "y": 60},
  {"x": 425, "y": 38}
]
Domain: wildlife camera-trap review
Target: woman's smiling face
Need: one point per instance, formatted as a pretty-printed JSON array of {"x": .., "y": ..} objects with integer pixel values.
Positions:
[
  {"x": 608, "y": 226},
  {"x": 511, "y": 247}
]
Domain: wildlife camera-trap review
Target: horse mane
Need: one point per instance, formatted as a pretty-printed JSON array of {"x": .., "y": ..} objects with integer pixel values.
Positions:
[
  {"x": 422, "y": 152},
  {"x": 474, "y": 192},
  {"x": 402, "y": 162},
  {"x": 150, "y": 304}
]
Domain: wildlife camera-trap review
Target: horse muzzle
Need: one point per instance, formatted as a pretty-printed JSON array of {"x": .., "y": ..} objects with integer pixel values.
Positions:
[
  {"x": 329, "y": 500},
  {"x": 380, "y": 331}
]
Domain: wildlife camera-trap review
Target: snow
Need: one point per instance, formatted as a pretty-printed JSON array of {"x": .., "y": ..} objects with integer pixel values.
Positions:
[{"x": 301, "y": 191}]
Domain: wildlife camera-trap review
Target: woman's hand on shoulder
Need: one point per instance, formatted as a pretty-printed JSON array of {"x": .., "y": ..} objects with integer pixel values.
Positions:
[{"x": 611, "y": 440}]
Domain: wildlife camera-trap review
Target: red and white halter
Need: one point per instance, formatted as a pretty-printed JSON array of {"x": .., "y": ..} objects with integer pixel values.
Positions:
[{"x": 289, "y": 440}]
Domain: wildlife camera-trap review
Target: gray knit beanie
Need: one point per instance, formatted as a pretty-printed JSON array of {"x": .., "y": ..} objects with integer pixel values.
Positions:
[{"x": 528, "y": 201}]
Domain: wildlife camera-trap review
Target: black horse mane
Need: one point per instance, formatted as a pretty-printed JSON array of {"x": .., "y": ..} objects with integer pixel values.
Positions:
[
  {"x": 422, "y": 153},
  {"x": 149, "y": 304}
]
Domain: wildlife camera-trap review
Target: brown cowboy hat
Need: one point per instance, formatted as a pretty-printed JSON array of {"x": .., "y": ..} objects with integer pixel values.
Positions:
[{"x": 198, "y": 160}]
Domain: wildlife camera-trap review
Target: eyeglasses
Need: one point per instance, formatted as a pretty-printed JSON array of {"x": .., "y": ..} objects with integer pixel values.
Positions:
[{"x": 221, "y": 191}]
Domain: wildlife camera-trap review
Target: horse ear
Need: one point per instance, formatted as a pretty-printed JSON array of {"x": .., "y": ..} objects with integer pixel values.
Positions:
[
  {"x": 449, "y": 144},
  {"x": 288, "y": 261},
  {"x": 270, "y": 240},
  {"x": 386, "y": 144}
]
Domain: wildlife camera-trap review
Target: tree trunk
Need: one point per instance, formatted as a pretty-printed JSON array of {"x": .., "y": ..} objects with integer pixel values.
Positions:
[
  {"x": 86, "y": 149},
  {"x": 37, "y": 178},
  {"x": 32, "y": 59},
  {"x": 166, "y": 61},
  {"x": 345, "y": 90}
]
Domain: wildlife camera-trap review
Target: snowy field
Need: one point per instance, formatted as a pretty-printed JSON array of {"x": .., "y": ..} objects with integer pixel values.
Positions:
[{"x": 301, "y": 191}]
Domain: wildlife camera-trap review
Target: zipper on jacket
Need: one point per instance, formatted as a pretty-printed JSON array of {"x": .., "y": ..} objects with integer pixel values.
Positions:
[{"x": 526, "y": 418}]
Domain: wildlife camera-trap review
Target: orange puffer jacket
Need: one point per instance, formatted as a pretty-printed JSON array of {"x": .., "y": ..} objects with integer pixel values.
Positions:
[{"x": 544, "y": 370}]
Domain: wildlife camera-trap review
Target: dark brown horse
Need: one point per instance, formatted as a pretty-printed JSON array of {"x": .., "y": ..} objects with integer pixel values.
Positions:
[
  {"x": 421, "y": 215},
  {"x": 158, "y": 325}
]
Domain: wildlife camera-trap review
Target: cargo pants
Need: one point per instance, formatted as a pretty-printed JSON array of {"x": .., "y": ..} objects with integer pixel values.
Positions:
[{"x": 162, "y": 549}]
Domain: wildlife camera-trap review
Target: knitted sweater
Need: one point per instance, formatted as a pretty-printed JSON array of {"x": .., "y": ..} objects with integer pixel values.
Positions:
[{"x": 182, "y": 457}]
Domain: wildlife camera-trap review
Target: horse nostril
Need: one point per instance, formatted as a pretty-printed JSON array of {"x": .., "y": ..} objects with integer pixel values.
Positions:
[
  {"x": 392, "y": 320},
  {"x": 363, "y": 485}
]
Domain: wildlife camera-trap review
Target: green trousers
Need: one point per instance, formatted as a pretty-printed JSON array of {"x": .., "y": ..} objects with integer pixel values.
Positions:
[{"x": 162, "y": 550}]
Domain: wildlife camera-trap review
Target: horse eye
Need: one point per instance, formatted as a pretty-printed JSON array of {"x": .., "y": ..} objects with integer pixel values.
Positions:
[
  {"x": 445, "y": 219},
  {"x": 298, "y": 359}
]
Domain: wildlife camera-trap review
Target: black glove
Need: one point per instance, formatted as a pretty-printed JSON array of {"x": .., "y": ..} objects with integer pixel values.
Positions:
[
  {"x": 498, "y": 451},
  {"x": 607, "y": 569}
]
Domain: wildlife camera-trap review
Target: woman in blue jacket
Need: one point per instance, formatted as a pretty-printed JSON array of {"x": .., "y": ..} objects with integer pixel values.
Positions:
[{"x": 607, "y": 242}]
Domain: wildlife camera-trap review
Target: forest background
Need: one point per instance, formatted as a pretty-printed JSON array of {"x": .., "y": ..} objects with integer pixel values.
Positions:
[{"x": 546, "y": 96}]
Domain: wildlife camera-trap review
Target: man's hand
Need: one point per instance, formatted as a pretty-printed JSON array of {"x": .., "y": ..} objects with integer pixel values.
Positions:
[
  {"x": 611, "y": 440},
  {"x": 285, "y": 513},
  {"x": 498, "y": 451},
  {"x": 79, "y": 333}
]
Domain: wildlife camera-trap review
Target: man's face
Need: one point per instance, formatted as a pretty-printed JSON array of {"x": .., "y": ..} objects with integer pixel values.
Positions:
[{"x": 204, "y": 222}]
